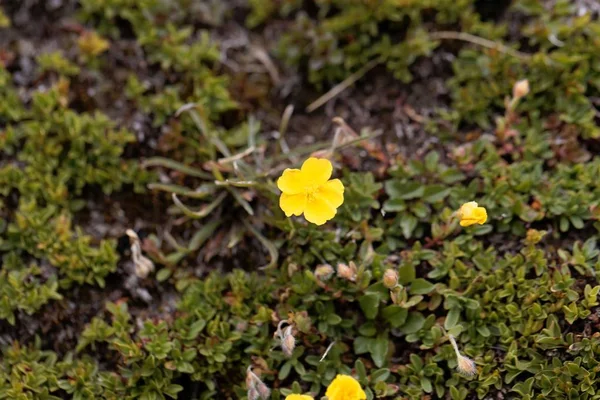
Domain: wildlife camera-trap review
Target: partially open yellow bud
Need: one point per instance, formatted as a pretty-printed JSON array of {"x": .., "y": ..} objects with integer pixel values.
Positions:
[
  {"x": 470, "y": 213},
  {"x": 390, "y": 278}
]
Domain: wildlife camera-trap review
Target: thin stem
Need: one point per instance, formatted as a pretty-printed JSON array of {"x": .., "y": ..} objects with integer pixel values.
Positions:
[{"x": 454, "y": 345}]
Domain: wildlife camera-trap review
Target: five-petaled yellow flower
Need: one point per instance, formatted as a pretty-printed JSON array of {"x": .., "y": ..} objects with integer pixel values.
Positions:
[
  {"x": 470, "y": 213},
  {"x": 298, "y": 397},
  {"x": 345, "y": 387},
  {"x": 308, "y": 190}
]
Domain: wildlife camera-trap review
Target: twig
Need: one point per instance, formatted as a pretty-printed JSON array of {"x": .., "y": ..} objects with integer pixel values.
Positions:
[
  {"x": 327, "y": 351},
  {"x": 343, "y": 85},
  {"x": 235, "y": 157},
  {"x": 467, "y": 37}
]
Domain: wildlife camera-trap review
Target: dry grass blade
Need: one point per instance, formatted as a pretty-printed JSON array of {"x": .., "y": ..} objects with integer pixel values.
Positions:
[
  {"x": 467, "y": 37},
  {"x": 273, "y": 253},
  {"x": 177, "y": 166},
  {"x": 340, "y": 87},
  {"x": 204, "y": 211}
]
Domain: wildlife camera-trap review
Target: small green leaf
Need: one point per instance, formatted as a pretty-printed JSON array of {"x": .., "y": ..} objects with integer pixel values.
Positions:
[
  {"x": 196, "y": 328},
  {"x": 369, "y": 303},
  {"x": 414, "y": 323},
  {"x": 379, "y": 349},
  {"x": 395, "y": 315},
  {"x": 163, "y": 274},
  {"x": 421, "y": 286},
  {"x": 452, "y": 318}
]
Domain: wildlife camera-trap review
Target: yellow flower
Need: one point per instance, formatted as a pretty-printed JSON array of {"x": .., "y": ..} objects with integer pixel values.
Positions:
[
  {"x": 470, "y": 213},
  {"x": 308, "y": 190},
  {"x": 298, "y": 397},
  {"x": 345, "y": 387}
]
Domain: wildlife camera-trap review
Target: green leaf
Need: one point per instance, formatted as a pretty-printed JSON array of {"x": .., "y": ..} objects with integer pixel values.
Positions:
[
  {"x": 369, "y": 303},
  {"x": 361, "y": 370},
  {"x": 436, "y": 193},
  {"x": 421, "y": 286},
  {"x": 163, "y": 274},
  {"x": 452, "y": 318},
  {"x": 185, "y": 367},
  {"x": 284, "y": 371},
  {"x": 172, "y": 390},
  {"x": 406, "y": 274},
  {"x": 408, "y": 190},
  {"x": 379, "y": 349},
  {"x": 380, "y": 375},
  {"x": 395, "y": 315},
  {"x": 196, "y": 328},
  {"x": 361, "y": 345},
  {"x": 202, "y": 234},
  {"x": 408, "y": 223},
  {"x": 413, "y": 324}
]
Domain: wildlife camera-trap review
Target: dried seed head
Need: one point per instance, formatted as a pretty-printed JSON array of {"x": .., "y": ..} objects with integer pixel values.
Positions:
[
  {"x": 346, "y": 272},
  {"x": 466, "y": 366},
  {"x": 390, "y": 278},
  {"x": 253, "y": 394},
  {"x": 250, "y": 383},
  {"x": 288, "y": 342},
  {"x": 143, "y": 265},
  {"x": 521, "y": 89},
  {"x": 263, "y": 390},
  {"x": 323, "y": 272}
]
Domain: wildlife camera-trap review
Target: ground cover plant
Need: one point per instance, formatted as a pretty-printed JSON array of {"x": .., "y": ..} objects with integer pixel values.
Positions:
[{"x": 342, "y": 199}]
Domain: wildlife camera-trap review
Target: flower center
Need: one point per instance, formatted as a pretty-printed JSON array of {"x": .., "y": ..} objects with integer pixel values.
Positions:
[{"x": 311, "y": 192}]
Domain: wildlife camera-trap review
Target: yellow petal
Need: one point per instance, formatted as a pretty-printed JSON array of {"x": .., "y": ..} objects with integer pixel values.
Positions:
[
  {"x": 317, "y": 171},
  {"x": 481, "y": 215},
  {"x": 292, "y": 204},
  {"x": 298, "y": 397},
  {"x": 345, "y": 387},
  {"x": 318, "y": 211},
  {"x": 466, "y": 209},
  {"x": 332, "y": 192},
  {"x": 291, "y": 181},
  {"x": 471, "y": 214}
]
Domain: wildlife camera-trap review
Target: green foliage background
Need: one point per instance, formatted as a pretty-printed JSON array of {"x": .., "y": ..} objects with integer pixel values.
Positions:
[{"x": 520, "y": 293}]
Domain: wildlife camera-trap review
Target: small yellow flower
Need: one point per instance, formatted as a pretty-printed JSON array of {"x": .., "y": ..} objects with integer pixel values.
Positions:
[
  {"x": 298, "y": 397},
  {"x": 470, "y": 213},
  {"x": 345, "y": 387},
  {"x": 308, "y": 190}
]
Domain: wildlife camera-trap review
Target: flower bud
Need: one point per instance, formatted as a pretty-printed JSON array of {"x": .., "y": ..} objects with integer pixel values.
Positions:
[
  {"x": 521, "y": 89},
  {"x": 323, "y": 272},
  {"x": 250, "y": 380},
  {"x": 288, "y": 342},
  {"x": 466, "y": 366},
  {"x": 390, "y": 278},
  {"x": 263, "y": 390},
  {"x": 253, "y": 394},
  {"x": 346, "y": 272}
]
